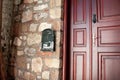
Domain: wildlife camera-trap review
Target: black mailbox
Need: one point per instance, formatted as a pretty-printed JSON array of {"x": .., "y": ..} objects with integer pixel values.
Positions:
[{"x": 48, "y": 40}]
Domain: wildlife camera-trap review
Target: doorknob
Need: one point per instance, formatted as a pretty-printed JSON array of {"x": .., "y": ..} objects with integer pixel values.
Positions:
[{"x": 94, "y": 18}]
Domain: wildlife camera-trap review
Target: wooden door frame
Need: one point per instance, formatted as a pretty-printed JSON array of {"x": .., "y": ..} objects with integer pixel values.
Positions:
[{"x": 64, "y": 41}]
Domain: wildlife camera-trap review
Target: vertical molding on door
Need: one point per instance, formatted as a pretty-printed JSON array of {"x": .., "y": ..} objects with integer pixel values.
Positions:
[
  {"x": 79, "y": 17},
  {"x": 90, "y": 39}
]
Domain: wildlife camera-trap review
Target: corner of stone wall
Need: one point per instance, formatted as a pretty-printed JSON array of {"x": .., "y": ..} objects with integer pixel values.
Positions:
[
  {"x": 6, "y": 33},
  {"x": 31, "y": 17}
]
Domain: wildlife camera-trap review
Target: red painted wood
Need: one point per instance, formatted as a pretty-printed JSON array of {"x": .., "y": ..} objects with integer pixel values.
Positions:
[
  {"x": 104, "y": 36},
  {"x": 109, "y": 12},
  {"x": 94, "y": 47},
  {"x": 106, "y": 48},
  {"x": 80, "y": 37},
  {"x": 79, "y": 65},
  {"x": 109, "y": 64},
  {"x": 64, "y": 70},
  {"x": 79, "y": 8}
]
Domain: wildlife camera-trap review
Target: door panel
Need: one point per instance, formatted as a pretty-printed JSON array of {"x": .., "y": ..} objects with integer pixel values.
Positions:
[
  {"x": 95, "y": 46},
  {"x": 109, "y": 64},
  {"x": 79, "y": 36},
  {"x": 80, "y": 52},
  {"x": 105, "y": 33},
  {"x": 108, "y": 10},
  {"x": 79, "y": 8},
  {"x": 106, "y": 46},
  {"x": 79, "y": 68}
]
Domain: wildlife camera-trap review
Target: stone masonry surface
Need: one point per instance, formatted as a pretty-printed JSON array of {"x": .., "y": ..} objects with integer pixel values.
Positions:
[{"x": 31, "y": 17}]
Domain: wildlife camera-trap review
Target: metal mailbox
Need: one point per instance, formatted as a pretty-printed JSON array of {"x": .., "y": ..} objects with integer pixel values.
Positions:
[{"x": 48, "y": 40}]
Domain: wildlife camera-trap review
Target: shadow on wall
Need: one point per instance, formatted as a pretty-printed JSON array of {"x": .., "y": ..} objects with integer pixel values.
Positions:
[
  {"x": 6, "y": 60},
  {"x": 11, "y": 63}
]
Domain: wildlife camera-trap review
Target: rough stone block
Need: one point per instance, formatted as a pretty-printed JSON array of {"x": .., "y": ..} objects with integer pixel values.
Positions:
[
  {"x": 17, "y": 42},
  {"x": 21, "y": 62},
  {"x": 55, "y": 13},
  {"x": 27, "y": 16},
  {"x": 52, "y": 3},
  {"x": 20, "y": 53},
  {"x": 58, "y": 38},
  {"x": 54, "y": 75},
  {"x": 16, "y": 2},
  {"x": 41, "y": 15},
  {"x": 20, "y": 73},
  {"x": 44, "y": 26},
  {"x": 58, "y": 2},
  {"x": 57, "y": 25},
  {"x": 37, "y": 64},
  {"x": 29, "y": 76},
  {"x": 25, "y": 27},
  {"x": 33, "y": 27},
  {"x": 41, "y": 7},
  {"x": 28, "y": 1},
  {"x": 28, "y": 66},
  {"x": 52, "y": 63},
  {"x": 45, "y": 75},
  {"x": 30, "y": 51},
  {"x": 33, "y": 38}
]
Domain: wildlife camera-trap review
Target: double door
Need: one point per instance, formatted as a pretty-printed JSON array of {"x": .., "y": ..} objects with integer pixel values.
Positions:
[{"x": 95, "y": 40}]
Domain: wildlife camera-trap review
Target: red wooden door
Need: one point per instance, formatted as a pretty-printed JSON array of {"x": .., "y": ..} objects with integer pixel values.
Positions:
[
  {"x": 80, "y": 40},
  {"x": 95, "y": 46},
  {"x": 106, "y": 40}
]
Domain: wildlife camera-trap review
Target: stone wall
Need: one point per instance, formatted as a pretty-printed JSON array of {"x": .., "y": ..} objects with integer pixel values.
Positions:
[{"x": 31, "y": 17}]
